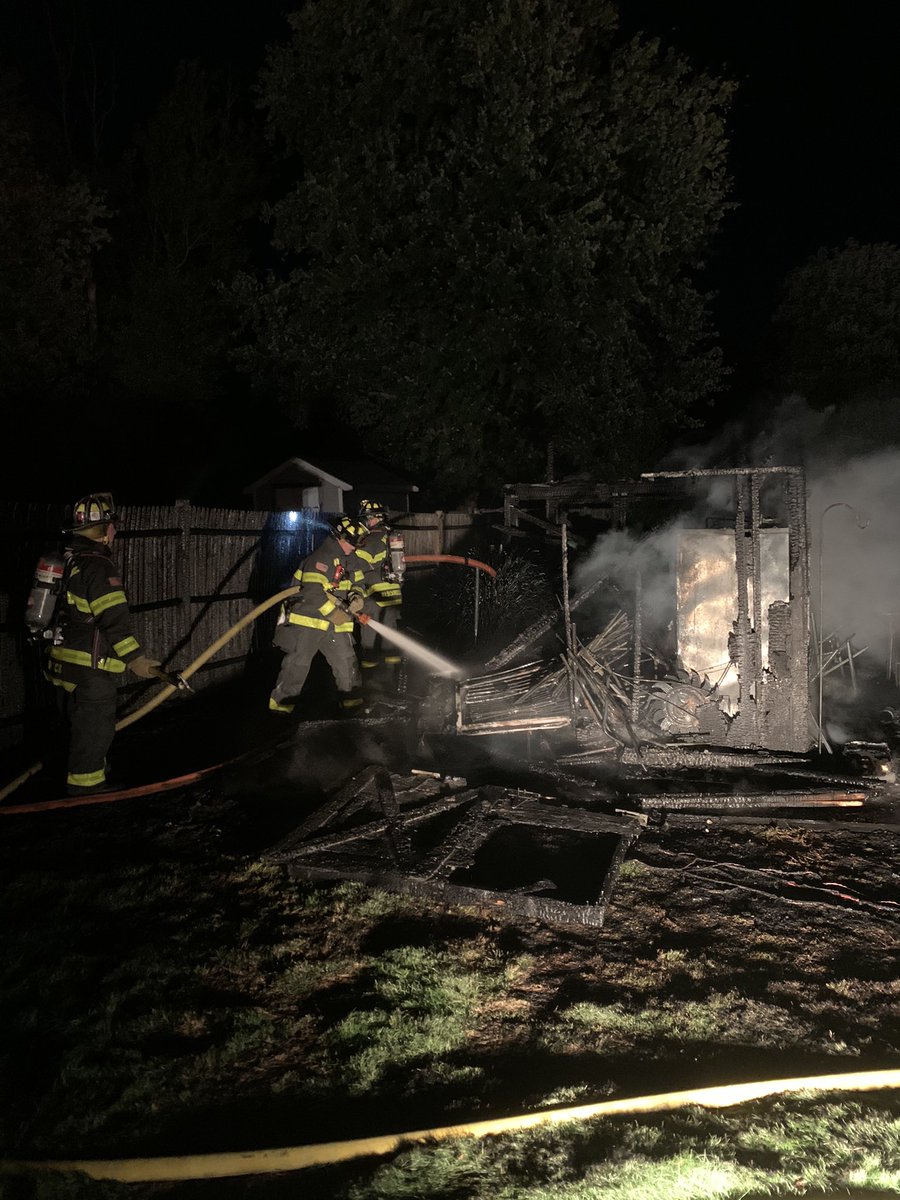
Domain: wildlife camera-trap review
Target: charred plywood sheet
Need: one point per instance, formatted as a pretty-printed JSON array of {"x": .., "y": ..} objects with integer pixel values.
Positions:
[
  {"x": 706, "y": 599},
  {"x": 489, "y": 847}
]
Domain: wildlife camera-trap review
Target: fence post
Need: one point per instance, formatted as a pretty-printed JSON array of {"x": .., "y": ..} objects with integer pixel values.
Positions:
[{"x": 439, "y": 534}]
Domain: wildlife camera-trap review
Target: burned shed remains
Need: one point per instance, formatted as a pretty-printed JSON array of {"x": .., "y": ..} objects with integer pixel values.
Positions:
[{"x": 692, "y": 632}]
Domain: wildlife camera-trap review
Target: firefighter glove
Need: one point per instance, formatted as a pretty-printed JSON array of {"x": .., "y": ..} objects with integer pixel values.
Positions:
[
  {"x": 143, "y": 667},
  {"x": 355, "y": 602}
]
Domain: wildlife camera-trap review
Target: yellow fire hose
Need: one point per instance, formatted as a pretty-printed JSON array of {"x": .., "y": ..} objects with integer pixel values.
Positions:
[
  {"x": 295, "y": 1158},
  {"x": 169, "y": 690}
]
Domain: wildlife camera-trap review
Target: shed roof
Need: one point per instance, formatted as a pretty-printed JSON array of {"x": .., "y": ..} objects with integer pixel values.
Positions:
[{"x": 301, "y": 463}]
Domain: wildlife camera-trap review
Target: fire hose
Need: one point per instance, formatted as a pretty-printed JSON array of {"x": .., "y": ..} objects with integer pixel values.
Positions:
[
  {"x": 296, "y": 1158},
  {"x": 451, "y": 558},
  {"x": 174, "y": 681}
]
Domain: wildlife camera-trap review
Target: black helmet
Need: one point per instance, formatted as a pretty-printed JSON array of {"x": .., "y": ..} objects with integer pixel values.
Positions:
[
  {"x": 348, "y": 530},
  {"x": 372, "y": 510},
  {"x": 92, "y": 511}
]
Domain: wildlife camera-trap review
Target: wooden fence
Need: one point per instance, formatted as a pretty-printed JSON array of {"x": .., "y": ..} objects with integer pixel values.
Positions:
[
  {"x": 190, "y": 573},
  {"x": 438, "y": 532}
]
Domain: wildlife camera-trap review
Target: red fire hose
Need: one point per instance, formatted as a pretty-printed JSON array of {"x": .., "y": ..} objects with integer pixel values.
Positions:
[{"x": 451, "y": 558}]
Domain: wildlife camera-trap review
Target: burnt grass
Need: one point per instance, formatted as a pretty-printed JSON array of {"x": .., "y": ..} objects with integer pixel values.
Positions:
[{"x": 139, "y": 936}]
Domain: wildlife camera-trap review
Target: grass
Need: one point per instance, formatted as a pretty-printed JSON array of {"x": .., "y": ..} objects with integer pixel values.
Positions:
[
  {"x": 727, "y": 1018},
  {"x": 419, "y": 1004},
  {"x": 170, "y": 1006}
]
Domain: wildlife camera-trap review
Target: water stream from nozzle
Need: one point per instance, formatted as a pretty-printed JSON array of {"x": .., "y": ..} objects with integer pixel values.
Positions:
[{"x": 435, "y": 663}]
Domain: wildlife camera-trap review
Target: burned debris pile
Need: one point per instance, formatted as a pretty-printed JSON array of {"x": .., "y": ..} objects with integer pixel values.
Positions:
[{"x": 587, "y": 690}]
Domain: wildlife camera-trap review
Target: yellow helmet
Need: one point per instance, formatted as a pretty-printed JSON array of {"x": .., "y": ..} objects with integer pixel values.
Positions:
[
  {"x": 348, "y": 530},
  {"x": 372, "y": 510}
]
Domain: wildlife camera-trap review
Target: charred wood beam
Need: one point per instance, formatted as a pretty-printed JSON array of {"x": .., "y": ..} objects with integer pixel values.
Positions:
[
  {"x": 615, "y": 866},
  {"x": 532, "y": 908},
  {"x": 395, "y": 835},
  {"x": 341, "y": 804},
  {"x": 679, "y": 820},
  {"x": 459, "y": 849},
  {"x": 556, "y": 530},
  {"x": 729, "y": 800},
  {"x": 743, "y": 652},
  {"x": 714, "y": 471},
  {"x": 821, "y": 779},
  {"x": 556, "y": 816},
  {"x": 798, "y": 571},
  {"x": 375, "y": 829},
  {"x": 677, "y": 757}
]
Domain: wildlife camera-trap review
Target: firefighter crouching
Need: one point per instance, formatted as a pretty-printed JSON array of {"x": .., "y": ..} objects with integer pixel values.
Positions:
[
  {"x": 92, "y": 642},
  {"x": 383, "y": 556},
  {"x": 314, "y": 623}
]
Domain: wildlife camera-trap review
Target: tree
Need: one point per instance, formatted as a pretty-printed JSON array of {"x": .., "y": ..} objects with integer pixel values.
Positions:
[
  {"x": 49, "y": 230},
  {"x": 838, "y": 325},
  {"x": 193, "y": 183},
  {"x": 494, "y": 235}
]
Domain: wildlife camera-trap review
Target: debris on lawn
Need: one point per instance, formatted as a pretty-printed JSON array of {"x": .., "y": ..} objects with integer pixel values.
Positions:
[
  {"x": 680, "y": 682},
  {"x": 485, "y": 847}
]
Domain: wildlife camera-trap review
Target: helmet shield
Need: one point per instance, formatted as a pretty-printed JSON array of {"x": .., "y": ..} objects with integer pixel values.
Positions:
[{"x": 92, "y": 511}]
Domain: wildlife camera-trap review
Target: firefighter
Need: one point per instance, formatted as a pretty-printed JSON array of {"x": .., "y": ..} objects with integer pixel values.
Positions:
[
  {"x": 384, "y": 594},
  {"x": 313, "y": 623},
  {"x": 94, "y": 644}
]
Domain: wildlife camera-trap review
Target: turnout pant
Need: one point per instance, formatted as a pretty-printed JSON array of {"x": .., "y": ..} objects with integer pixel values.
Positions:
[
  {"x": 301, "y": 645},
  {"x": 374, "y": 649},
  {"x": 91, "y": 715}
]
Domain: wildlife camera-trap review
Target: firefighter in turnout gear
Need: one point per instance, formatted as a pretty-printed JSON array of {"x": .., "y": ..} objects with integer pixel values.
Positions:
[
  {"x": 384, "y": 596},
  {"x": 94, "y": 642},
  {"x": 313, "y": 623}
]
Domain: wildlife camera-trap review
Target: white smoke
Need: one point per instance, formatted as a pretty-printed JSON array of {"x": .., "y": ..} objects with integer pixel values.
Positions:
[
  {"x": 860, "y": 566},
  {"x": 848, "y": 487},
  {"x": 619, "y": 557},
  {"x": 853, "y": 511}
]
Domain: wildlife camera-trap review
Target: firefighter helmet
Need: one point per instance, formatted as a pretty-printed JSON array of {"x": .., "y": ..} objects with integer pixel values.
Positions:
[
  {"x": 93, "y": 510},
  {"x": 348, "y": 530},
  {"x": 372, "y": 511}
]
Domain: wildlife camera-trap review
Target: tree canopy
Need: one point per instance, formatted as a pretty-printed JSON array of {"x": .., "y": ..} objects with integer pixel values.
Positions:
[
  {"x": 492, "y": 234},
  {"x": 838, "y": 325}
]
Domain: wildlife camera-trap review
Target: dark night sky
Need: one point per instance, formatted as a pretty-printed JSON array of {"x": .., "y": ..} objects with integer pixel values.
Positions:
[
  {"x": 814, "y": 127},
  {"x": 814, "y": 142},
  {"x": 814, "y": 145}
]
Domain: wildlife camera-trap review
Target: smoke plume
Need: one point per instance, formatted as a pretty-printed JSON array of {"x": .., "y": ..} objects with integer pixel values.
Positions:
[{"x": 848, "y": 486}]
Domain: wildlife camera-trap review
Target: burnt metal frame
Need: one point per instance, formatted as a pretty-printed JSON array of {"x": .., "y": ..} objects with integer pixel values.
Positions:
[{"x": 391, "y": 818}]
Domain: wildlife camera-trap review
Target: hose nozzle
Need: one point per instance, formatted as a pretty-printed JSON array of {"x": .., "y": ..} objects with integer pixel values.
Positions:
[{"x": 174, "y": 679}]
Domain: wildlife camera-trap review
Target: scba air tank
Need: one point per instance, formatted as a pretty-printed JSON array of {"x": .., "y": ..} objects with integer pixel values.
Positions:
[
  {"x": 44, "y": 595},
  {"x": 398, "y": 561}
]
